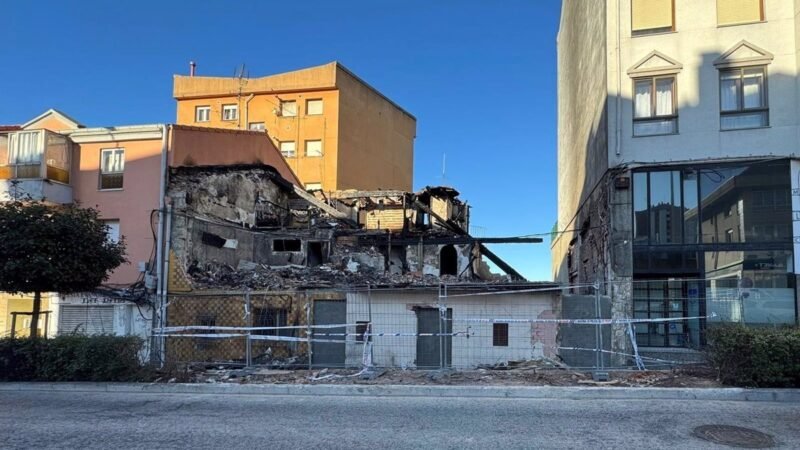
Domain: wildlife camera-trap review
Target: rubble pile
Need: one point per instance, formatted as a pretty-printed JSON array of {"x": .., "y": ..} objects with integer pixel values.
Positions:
[{"x": 264, "y": 277}]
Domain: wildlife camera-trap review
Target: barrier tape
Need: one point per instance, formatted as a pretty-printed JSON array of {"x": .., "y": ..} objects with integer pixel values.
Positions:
[
  {"x": 222, "y": 328},
  {"x": 621, "y": 353},
  {"x": 257, "y": 337},
  {"x": 584, "y": 321}
]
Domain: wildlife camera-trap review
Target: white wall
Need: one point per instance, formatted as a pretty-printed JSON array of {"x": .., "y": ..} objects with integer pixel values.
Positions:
[
  {"x": 393, "y": 312},
  {"x": 697, "y": 42}
]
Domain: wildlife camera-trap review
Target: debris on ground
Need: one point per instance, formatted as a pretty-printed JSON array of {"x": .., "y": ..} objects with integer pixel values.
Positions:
[{"x": 522, "y": 375}]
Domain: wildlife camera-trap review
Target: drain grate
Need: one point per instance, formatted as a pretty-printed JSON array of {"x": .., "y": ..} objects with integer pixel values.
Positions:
[{"x": 734, "y": 436}]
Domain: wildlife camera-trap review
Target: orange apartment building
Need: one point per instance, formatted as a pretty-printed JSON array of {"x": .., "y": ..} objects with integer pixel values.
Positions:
[
  {"x": 336, "y": 131},
  {"x": 121, "y": 171}
]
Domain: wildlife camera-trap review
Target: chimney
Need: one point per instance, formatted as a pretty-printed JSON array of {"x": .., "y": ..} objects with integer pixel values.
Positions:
[{"x": 192, "y": 67}]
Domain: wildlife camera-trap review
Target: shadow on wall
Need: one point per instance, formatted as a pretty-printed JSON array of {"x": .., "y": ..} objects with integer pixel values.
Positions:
[{"x": 593, "y": 248}]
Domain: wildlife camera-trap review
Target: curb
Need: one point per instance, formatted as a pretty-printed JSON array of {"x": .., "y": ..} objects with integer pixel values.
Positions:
[{"x": 521, "y": 392}]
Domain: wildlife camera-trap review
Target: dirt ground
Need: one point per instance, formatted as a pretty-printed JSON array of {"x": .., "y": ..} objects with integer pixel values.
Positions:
[{"x": 694, "y": 376}]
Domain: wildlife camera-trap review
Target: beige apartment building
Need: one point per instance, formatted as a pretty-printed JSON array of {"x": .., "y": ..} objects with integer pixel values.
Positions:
[
  {"x": 678, "y": 169},
  {"x": 335, "y": 130}
]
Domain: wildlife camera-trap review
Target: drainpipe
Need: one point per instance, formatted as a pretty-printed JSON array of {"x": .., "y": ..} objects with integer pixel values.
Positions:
[
  {"x": 163, "y": 312},
  {"x": 247, "y": 110},
  {"x": 165, "y": 129},
  {"x": 618, "y": 130}
]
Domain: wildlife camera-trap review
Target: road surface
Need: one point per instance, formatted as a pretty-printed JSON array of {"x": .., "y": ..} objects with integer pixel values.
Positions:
[{"x": 89, "y": 420}]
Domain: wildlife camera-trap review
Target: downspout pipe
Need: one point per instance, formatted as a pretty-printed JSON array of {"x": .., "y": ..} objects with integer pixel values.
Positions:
[
  {"x": 160, "y": 275},
  {"x": 247, "y": 110}
]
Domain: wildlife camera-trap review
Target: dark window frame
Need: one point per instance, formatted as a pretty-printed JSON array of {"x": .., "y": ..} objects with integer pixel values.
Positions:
[
  {"x": 654, "y": 117},
  {"x": 500, "y": 334},
  {"x": 740, "y": 108}
]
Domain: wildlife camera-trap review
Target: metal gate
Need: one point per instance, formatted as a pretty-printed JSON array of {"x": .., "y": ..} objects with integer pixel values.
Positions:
[
  {"x": 329, "y": 354},
  {"x": 432, "y": 350}
]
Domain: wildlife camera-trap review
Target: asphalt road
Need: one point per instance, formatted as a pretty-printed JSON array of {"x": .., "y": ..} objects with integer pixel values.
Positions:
[{"x": 157, "y": 421}]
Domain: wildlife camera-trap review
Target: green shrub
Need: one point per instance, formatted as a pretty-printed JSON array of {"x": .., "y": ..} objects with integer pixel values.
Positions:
[
  {"x": 755, "y": 357},
  {"x": 72, "y": 358}
]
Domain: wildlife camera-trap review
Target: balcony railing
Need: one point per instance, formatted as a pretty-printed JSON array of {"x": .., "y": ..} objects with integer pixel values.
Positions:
[{"x": 39, "y": 154}]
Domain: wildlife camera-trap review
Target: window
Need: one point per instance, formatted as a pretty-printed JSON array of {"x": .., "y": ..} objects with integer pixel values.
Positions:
[
  {"x": 654, "y": 106},
  {"x": 202, "y": 113},
  {"x": 361, "y": 330},
  {"x": 112, "y": 166},
  {"x": 57, "y": 157},
  {"x": 743, "y": 98},
  {"x": 652, "y": 16},
  {"x": 25, "y": 152},
  {"x": 230, "y": 112},
  {"x": 314, "y": 148},
  {"x": 112, "y": 230},
  {"x": 315, "y": 186},
  {"x": 314, "y": 107},
  {"x": 500, "y": 334},
  {"x": 286, "y": 245},
  {"x": 288, "y": 149},
  {"x": 206, "y": 320},
  {"x": 256, "y": 126},
  {"x": 271, "y": 317},
  {"x": 735, "y": 12},
  {"x": 288, "y": 108}
]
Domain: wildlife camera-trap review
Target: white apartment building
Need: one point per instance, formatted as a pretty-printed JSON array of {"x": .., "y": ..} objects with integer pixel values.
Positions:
[{"x": 678, "y": 169}]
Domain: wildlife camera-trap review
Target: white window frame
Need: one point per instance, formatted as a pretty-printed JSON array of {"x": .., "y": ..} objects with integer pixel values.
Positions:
[
  {"x": 113, "y": 230},
  {"x": 321, "y": 152},
  {"x": 120, "y": 172},
  {"x": 261, "y": 126},
  {"x": 283, "y": 105},
  {"x": 230, "y": 107},
  {"x": 321, "y": 106},
  {"x": 287, "y": 154},
  {"x": 202, "y": 113}
]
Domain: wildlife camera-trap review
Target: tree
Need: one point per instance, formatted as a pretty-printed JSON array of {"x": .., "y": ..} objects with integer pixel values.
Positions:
[{"x": 54, "y": 248}]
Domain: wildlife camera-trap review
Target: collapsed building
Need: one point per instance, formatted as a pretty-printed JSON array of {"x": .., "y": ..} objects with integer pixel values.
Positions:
[{"x": 292, "y": 258}]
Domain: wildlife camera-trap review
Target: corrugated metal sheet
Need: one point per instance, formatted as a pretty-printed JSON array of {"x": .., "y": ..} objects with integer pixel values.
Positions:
[{"x": 86, "y": 319}]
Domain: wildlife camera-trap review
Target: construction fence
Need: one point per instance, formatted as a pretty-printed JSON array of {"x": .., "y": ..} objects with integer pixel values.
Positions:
[{"x": 452, "y": 326}]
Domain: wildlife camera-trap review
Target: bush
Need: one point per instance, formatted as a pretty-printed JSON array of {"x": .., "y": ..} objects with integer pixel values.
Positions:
[
  {"x": 72, "y": 358},
  {"x": 755, "y": 357}
]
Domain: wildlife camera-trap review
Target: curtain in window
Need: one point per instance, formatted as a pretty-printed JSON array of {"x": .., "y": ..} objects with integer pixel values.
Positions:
[
  {"x": 113, "y": 161},
  {"x": 642, "y": 99},
  {"x": 25, "y": 148},
  {"x": 751, "y": 87},
  {"x": 664, "y": 97},
  {"x": 728, "y": 91}
]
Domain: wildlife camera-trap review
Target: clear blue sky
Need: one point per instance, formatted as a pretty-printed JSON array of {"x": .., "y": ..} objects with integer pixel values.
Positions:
[{"x": 480, "y": 76}]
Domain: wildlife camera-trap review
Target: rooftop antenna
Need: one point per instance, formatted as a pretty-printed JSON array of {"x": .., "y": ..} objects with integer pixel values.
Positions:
[{"x": 444, "y": 168}]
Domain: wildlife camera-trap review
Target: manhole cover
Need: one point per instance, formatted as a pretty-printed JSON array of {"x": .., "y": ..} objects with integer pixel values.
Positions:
[{"x": 734, "y": 436}]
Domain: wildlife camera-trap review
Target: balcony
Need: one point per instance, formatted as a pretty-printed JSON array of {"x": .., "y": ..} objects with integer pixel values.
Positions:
[{"x": 35, "y": 165}]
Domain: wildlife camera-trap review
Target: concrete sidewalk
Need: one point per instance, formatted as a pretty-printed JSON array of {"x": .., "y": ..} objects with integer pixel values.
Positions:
[{"x": 532, "y": 392}]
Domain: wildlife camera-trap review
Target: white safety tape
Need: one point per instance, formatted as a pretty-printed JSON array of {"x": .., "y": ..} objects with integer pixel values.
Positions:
[
  {"x": 257, "y": 337},
  {"x": 460, "y": 333},
  {"x": 221, "y": 328},
  {"x": 617, "y": 353},
  {"x": 582, "y": 321}
]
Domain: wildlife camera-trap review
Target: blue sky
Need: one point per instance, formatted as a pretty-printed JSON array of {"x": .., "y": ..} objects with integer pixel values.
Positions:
[{"x": 480, "y": 76}]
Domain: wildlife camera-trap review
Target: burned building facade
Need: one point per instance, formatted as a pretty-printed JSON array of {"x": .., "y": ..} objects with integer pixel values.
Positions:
[{"x": 249, "y": 249}]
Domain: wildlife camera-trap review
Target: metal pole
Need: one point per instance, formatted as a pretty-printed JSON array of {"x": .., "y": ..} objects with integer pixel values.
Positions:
[
  {"x": 442, "y": 314},
  {"x": 597, "y": 332},
  {"x": 308, "y": 330},
  {"x": 369, "y": 325},
  {"x": 249, "y": 322}
]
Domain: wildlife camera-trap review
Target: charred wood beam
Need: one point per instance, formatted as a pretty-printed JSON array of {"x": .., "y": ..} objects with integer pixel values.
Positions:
[
  {"x": 504, "y": 266},
  {"x": 444, "y": 240}
]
